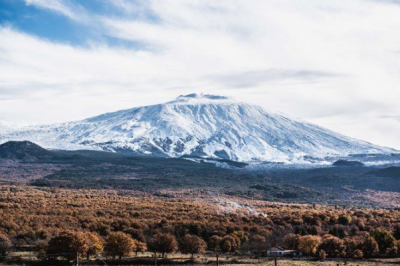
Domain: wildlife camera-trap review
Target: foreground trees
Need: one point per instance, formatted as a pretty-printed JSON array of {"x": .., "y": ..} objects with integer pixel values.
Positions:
[
  {"x": 333, "y": 246},
  {"x": 291, "y": 241},
  {"x": 191, "y": 244},
  {"x": 309, "y": 245},
  {"x": 256, "y": 244},
  {"x": 94, "y": 244},
  {"x": 229, "y": 243},
  {"x": 213, "y": 243},
  {"x": 119, "y": 244},
  {"x": 67, "y": 245},
  {"x": 163, "y": 243}
]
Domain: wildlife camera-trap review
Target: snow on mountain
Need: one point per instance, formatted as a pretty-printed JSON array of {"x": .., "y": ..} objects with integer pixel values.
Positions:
[{"x": 198, "y": 126}]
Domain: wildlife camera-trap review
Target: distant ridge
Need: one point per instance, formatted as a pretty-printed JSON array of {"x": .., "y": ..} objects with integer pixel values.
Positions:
[
  {"x": 200, "y": 126},
  {"x": 23, "y": 150},
  {"x": 393, "y": 171}
]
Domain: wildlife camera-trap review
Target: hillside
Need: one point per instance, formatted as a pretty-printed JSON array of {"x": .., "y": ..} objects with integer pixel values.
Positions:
[{"x": 23, "y": 150}]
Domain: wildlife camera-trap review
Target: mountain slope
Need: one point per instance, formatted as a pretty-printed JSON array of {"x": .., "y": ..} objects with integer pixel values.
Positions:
[{"x": 198, "y": 125}]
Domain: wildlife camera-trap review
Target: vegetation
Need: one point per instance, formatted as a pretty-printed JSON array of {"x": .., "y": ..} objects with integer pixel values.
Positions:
[
  {"x": 107, "y": 206},
  {"x": 59, "y": 223}
]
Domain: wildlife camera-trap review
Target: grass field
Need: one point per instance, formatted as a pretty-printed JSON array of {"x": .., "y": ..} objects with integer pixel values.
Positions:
[{"x": 224, "y": 259}]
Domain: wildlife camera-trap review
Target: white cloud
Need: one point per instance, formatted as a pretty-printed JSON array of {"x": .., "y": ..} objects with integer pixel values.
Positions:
[
  {"x": 74, "y": 12},
  {"x": 335, "y": 63}
]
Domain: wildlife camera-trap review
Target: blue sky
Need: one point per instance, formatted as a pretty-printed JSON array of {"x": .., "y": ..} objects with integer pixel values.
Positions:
[
  {"x": 38, "y": 20},
  {"x": 335, "y": 62}
]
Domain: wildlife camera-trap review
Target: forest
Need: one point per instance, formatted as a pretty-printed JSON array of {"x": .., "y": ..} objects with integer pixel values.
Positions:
[{"x": 58, "y": 224}]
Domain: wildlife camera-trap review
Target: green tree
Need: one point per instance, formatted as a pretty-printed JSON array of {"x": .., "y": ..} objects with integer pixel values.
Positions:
[
  {"x": 344, "y": 220},
  {"x": 385, "y": 239}
]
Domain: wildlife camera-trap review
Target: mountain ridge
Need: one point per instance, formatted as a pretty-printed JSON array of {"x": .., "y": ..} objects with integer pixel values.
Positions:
[{"x": 198, "y": 125}]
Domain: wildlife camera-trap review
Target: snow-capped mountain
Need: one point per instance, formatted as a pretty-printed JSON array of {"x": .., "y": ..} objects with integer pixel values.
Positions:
[{"x": 198, "y": 126}]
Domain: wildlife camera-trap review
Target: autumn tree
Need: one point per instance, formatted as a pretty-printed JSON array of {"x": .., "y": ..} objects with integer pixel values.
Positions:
[
  {"x": 163, "y": 243},
  {"x": 140, "y": 246},
  {"x": 191, "y": 244},
  {"x": 119, "y": 244},
  {"x": 93, "y": 243},
  {"x": 291, "y": 241},
  {"x": 309, "y": 244},
  {"x": 385, "y": 239},
  {"x": 256, "y": 244},
  {"x": 229, "y": 243},
  {"x": 213, "y": 243},
  {"x": 66, "y": 245},
  {"x": 333, "y": 246},
  {"x": 370, "y": 247}
]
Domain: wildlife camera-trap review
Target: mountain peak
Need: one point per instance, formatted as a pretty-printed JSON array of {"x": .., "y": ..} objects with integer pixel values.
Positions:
[
  {"x": 199, "y": 125},
  {"x": 201, "y": 96}
]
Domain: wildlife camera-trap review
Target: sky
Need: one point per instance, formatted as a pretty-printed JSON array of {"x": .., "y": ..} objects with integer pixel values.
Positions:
[{"x": 335, "y": 63}]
